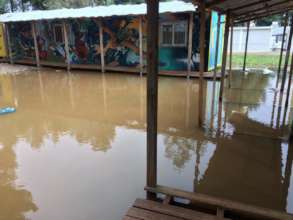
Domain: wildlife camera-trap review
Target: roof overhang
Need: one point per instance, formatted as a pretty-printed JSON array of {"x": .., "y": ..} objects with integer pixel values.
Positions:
[{"x": 98, "y": 11}]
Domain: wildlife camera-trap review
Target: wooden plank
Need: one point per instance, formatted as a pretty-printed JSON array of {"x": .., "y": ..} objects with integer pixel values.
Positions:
[
  {"x": 33, "y": 25},
  {"x": 224, "y": 57},
  {"x": 148, "y": 215},
  {"x": 66, "y": 45},
  {"x": 287, "y": 55},
  {"x": 141, "y": 45},
  {"x": 246, "y": 46},
  {"x": 189, "y": 55},
  {"x": 282, "y": 48},
  {"x": 101, "y": 36},
  {"x": 174, "y": 211},
  {"x": 217, "y": 46},
  {"x": 152, "y": 91},
  {"x": 235, "y": 207}
]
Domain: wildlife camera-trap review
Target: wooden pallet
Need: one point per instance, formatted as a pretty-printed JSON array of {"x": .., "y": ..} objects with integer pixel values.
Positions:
[{"x": 150, "y": 210}]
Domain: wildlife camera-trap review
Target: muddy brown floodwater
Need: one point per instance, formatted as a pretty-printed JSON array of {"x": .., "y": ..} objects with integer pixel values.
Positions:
[{"x": 76, "y": 146}]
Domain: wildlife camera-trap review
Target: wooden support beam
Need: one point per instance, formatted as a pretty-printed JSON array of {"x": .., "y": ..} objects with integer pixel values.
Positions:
[
  {"x": 190, "y": 35},
  {"x": 66, "y": 44},
  {"x": 246, "y": 46},
  {"x": 9, "y": 43},
  {"x": 141, "y": 45},
  {"x": 265, "y": 12},
  {"x": 217, "y": 46},
  {"x": 230, "y": 54},
  {"x": 287, "y": 56},
  {"x": 101, "y": 36},
  {"x": 282, "y": 48},
  {"x": 202, "y": 13},
  {"x": 251, "y": 4},
  {"x": 33, "y": 25},
  {"x": 265, "y": 6},
  {"x": 259, "y": 16},
  {"x": 289, "y": 81},
  {"x": 152, "y": 91},
  {"x": 215, "y": 3},
  {"x": 224, "y": 57}
]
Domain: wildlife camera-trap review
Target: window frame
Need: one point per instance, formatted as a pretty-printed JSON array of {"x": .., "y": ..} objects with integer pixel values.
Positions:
[
  {"x": 173, "y": 23},
  {"x": 62, "y": 33}
]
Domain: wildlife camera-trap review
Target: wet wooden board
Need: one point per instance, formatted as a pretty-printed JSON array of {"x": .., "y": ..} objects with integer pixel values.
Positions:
[{"x": 147, "y": 209}]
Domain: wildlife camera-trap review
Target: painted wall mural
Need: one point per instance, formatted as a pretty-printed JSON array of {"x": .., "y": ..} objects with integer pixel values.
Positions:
[
  {"x": 121, "y": 41},
  {"x": 21, "y": 39},
  {"x": 50, "y": 41},
  {"x": 84, "y": 41},
  {"x": 213, "y": 40}
]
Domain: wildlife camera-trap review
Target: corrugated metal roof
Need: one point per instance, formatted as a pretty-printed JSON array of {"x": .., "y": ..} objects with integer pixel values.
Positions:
[{"x": 98, "y": 11}]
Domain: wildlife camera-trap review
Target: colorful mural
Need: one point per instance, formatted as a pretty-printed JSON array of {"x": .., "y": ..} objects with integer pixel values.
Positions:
[
  {"x": 213, "y": 40},
  {"x": 121, "y": 41},
  {"x": 84, "y": 41},
  {"x": 50, "y": 48},
  {"x": 21, "y": 40}
]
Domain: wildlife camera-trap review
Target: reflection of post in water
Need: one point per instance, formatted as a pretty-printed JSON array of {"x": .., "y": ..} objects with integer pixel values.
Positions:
[
  {"x": 41, "y": 86},
  {"x": 273, "y": 110},
  {"x": 213, "y": 105},
  {"x": 71, "y": 90},
  {"x": 187, "y": 106},
  {"x": 288, "y": 171},
  {"x": 279, "y": 109},
  {"x": 104, "y": 87},
  {"x": 141, "y": 99},
  {"x": 197, "y": 163},
  {"x": 220, "y": 106}
]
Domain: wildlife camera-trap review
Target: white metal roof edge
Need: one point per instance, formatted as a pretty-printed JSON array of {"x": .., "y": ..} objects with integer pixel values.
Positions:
[{"x": 98, "y": 11}]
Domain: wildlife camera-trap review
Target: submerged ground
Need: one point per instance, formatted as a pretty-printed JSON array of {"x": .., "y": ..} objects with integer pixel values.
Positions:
[{"x": 76, "y": 146}]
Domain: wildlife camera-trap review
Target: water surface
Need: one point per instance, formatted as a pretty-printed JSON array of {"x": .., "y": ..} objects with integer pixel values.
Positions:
[{"x": 76, "y": 146}]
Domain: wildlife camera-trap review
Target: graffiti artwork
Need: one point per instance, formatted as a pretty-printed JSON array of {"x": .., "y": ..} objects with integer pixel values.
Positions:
[{"x": 21, "y": 40}]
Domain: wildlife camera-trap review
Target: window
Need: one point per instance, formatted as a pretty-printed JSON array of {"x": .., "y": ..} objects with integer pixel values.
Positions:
[
  {"x": 58, "y": 33},
  {"x": 174, "y": 34}
]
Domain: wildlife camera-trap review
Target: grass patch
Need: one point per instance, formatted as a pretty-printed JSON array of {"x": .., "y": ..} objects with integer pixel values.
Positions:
[{"x": 257, "y": 60}]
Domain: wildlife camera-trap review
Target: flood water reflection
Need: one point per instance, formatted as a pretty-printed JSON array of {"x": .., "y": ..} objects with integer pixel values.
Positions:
[{"x": 76, "y": 146}]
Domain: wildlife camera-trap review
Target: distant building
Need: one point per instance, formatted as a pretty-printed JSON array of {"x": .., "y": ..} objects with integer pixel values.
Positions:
[{"x": 261, "y": 39}]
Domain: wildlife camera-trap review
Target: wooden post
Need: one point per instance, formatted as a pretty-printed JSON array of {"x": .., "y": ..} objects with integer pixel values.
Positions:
[
  {"x": 152, "y": 91},
  {"x": 190, "y": 34},
  {"x": 230, "y": 54},
  {"x": 282, "y": 48},
  {"x": 287, "y": 55},
  {"x": 217, "y": 45},
  {"x": 246, "y": 45},
  {"x": 101, "y": 45},
  {"x": 66, "y": 44},
  {"x": 9, "y": 44},
  {"x": 140, "y": 45},
  {"x": 33, "y": 24},
  {"x": 224, "y": 58},
  {"x": 202, "y": 31},
  {"x": 289, "y": 81}
]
